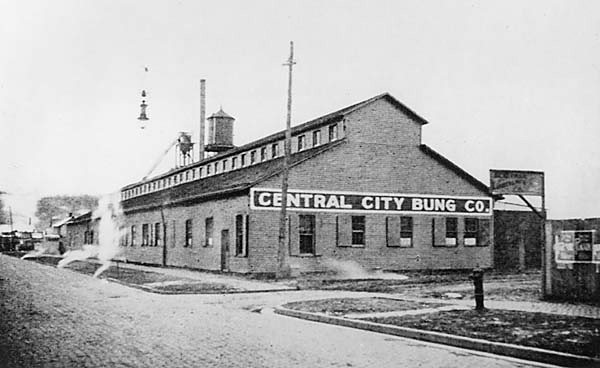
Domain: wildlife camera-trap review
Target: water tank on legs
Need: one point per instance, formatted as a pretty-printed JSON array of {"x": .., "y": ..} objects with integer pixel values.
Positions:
[{"x": 220, "y": 132}]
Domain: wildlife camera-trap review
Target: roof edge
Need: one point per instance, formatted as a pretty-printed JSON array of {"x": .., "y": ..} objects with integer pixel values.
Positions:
[{"x": 459, "y": 171}]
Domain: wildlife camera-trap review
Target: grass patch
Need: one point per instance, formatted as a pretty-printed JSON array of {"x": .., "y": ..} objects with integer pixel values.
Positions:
[
  {"x": 342, "y": 306},
  {"x": 575, "y": 335}
]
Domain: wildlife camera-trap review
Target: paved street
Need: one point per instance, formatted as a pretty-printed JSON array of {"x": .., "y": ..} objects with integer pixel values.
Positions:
[{"x": 56, "y": 318}]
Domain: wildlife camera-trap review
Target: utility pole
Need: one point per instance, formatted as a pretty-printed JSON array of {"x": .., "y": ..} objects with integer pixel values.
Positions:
[{"x": 283, "y": 266}]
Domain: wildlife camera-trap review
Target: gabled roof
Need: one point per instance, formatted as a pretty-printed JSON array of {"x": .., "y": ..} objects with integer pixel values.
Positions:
[
  {"x": 452, "y": 166},
  {"x": 63, "y": 221},
  {"x": 221, "y": 185},
  {"x": 81, "y": 218},
  {"x": 323, "y": 120}
]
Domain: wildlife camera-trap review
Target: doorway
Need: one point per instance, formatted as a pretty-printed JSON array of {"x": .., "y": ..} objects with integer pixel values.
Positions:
[{"x": 224, "y": 250}]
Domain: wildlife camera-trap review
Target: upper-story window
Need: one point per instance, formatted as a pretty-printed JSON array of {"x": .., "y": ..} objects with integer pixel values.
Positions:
[
  {"x": 234, "y": 163},
  {"x": 224, "y": 165},
  {"x": 252, "y": 157},
  {"x": 333, "y": 132},
  {"x": 243, "y": 160},
  {"x": 316, "y": 138},
  {"x": 208, "y": 169},
  {"x": 263, "y": 154},
  {"x": 274, "y": 150},
  {"x": 201, "y": 172},
  {"x": 301, "y": 142}
]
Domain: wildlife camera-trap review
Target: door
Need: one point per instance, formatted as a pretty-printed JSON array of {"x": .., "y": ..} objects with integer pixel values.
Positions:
[{"x": 224, "y": 250}]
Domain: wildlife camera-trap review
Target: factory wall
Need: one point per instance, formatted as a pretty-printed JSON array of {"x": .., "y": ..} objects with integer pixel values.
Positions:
[{"x": 202, "y": 251}]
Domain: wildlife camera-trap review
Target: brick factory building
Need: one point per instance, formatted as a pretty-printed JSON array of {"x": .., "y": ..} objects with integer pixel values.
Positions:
[{"x": 363, "y": 188}]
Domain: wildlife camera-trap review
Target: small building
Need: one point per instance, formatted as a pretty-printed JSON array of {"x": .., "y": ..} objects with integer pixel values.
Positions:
[
  {"x": 362, "y": 187},
  {"x": 517, "y": 240},
  {"x": 79, "y": 230}
]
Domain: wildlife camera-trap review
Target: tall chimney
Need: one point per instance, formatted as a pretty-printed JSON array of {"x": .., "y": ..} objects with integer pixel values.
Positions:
[{"x": 202, "y": 119}]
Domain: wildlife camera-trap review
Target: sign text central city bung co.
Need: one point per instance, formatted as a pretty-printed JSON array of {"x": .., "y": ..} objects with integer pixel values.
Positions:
[{"x": 311, "y": 200}]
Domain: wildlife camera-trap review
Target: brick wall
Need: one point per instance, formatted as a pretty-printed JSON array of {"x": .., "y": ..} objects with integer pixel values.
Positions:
[
  {"x": 198, "y": 255},
  {"x": 381, "y": 154}
]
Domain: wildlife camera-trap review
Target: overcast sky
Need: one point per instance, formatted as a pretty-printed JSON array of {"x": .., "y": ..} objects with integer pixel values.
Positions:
[{"x": 504, "y": 84}]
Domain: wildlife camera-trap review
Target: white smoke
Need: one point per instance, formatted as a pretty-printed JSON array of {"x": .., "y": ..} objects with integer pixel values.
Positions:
[
  {"x": 110, "y": 216},
  {"x": 352, "y": 270}
]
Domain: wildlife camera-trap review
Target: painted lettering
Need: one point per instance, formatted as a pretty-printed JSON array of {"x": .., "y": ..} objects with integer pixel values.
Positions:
[
  {"x": 398, "y": 202},
  {"x": 367, "y": 203},
  {"x": 293, "y": 200},
  {"x": 333, "y": 202},
  {"x": 320, "y": 201},
  {"x": 264, "y": 199},
  {"x": 343, "y": 203},
  {"x": 417, "y": 204}
]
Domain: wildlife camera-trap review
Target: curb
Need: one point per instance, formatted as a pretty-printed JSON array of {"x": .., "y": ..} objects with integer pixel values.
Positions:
[
  {"x": 167, "y": 292},
  {"x": 499, "y": 348}
]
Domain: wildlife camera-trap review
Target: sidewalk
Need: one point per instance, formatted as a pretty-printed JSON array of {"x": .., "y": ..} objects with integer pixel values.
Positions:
[{"x": 566, "y": 309}]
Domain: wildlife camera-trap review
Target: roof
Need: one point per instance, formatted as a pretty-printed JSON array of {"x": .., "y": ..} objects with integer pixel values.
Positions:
[
  {"x": 455, "y": 168},
  {"x": 81, "y": 218},
  {"x": 323, "y": 120},
  {"x": 220, "y": 114},
  {"x": 221, "y": 185},
  {"x": 62, "y": 222}
]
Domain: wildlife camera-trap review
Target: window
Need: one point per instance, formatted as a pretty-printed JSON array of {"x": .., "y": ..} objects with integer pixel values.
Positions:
[
  {"x": 132, "y": 235},
  {"x": 216, "y": 167},
  {"x": 399, "y": 231},
  {"x": 151, "y": 236},
  {"x": 358, "y": 230},
  {"x": 224, "y": 165},
  {"x": 234, "y": 163},
  {"x": 301, "y": 142},
  {"x": 243, "y": 160},
  {"x": 263, "y": 154},
  {"x": 333, "y": 132},
  {"x": 471, "y": 231},
  {"x": 252, "y": 157},
  {"x": 144, "y": 235},
  {"x": 187, "y": 175},
  {"x": 274, "y": 150},
  {"x": 316, "y": 138},
  {"x": 451, "y": 231},
  {"x": 208, "y": 169},
  {"x": 306, "y": 234},
  {"x": 188, "y": 233},
  {"x": 194, "y": 174},
  {"x": 157, "y": 237},
  {"x": 406, "y": 231},
  {"x": 208, "y": 236},
  {"x": 477, "y": 232},
  {"x": 175, "y": 179},
  {"x": 241, "y": 245}
]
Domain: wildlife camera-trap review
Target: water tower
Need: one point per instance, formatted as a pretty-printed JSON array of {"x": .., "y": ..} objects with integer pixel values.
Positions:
[
  {"x": 185, "y": 149},
  {"x": 220, "y": 132}
]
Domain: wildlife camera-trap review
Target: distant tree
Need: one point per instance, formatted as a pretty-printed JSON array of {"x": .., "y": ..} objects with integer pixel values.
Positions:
[{"x": 60, "y": 207}]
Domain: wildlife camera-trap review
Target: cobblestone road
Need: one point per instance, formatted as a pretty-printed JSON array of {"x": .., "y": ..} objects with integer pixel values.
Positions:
[{"x": 58, "y": 318}]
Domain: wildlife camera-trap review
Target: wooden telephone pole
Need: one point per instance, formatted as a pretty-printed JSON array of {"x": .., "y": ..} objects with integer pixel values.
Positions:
[{"x": 283, "y": 266}]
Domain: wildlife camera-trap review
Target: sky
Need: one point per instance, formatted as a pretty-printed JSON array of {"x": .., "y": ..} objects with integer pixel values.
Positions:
[{"x": 504, "y": 84}]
